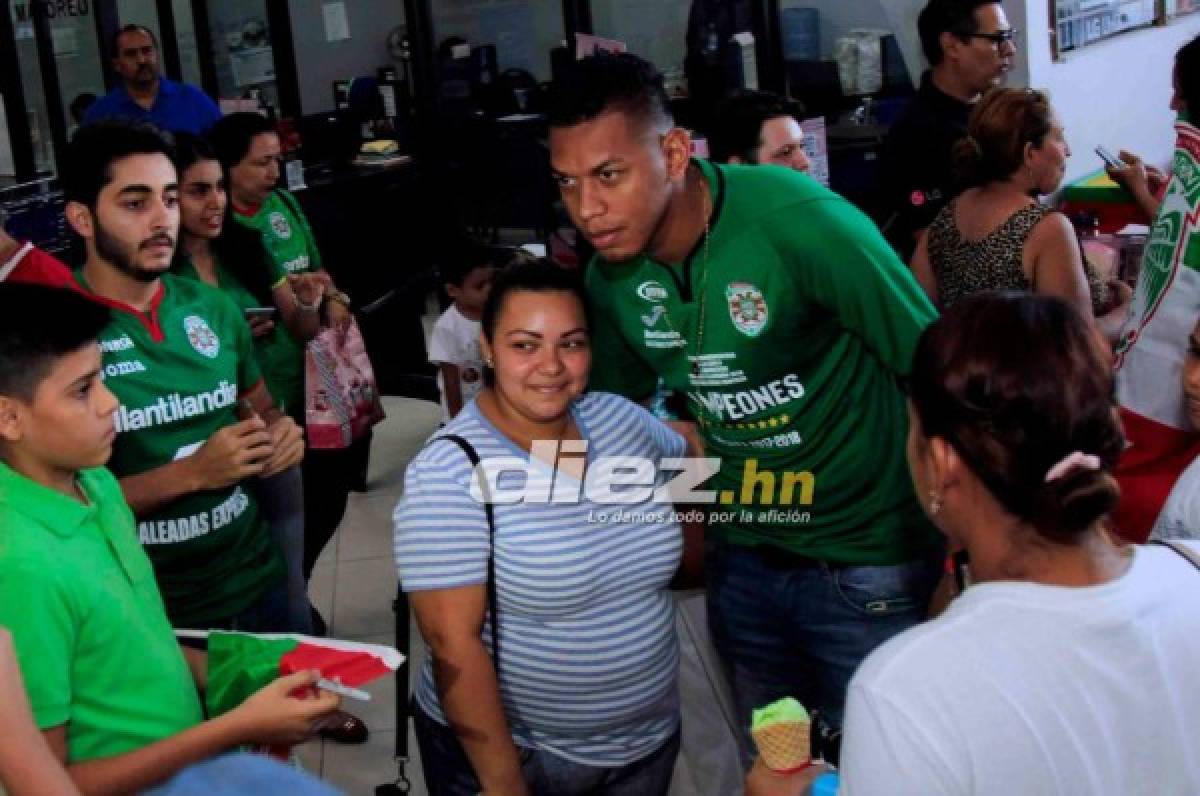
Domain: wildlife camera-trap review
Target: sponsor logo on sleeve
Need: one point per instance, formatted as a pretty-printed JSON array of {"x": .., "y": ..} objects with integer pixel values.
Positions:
[{"x": 652, "y": 291}]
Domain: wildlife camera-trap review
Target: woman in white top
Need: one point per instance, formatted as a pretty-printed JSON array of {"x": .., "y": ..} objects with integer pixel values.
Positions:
[{"x": 1069, "y": 666}]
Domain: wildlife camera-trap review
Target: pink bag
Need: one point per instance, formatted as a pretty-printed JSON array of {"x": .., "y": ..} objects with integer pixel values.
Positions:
[{"x": 341, "y": 401}]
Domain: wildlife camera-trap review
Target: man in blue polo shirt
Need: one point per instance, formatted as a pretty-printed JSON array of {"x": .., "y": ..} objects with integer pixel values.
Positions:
[{"x": 146, "y": 96}]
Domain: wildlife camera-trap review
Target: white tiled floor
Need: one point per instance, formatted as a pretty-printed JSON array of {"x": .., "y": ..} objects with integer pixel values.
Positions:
[{"x": 353, "y": 586}]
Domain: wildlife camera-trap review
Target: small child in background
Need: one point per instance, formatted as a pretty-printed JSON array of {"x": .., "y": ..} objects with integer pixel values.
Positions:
[{"x": 454, "y": 343}]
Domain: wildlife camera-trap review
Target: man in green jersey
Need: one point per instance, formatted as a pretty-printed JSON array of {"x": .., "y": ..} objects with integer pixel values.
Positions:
[
  {"x": 780, "y": 312},
  {"x": 178, "y": 356}
]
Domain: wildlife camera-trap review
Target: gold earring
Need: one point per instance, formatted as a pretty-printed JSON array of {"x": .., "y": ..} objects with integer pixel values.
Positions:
[
  {"x": 935, "y": 503},
  {"x": 489, "y": 364}
]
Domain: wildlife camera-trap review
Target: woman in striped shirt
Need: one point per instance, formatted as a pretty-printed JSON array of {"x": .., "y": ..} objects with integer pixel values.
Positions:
[{"x": 580, "y": 695}]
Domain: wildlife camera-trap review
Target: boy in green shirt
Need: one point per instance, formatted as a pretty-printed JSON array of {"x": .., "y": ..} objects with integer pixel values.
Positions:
[
  {"x": 112, "y": 691},
  {"x": 781, "y": 314}
]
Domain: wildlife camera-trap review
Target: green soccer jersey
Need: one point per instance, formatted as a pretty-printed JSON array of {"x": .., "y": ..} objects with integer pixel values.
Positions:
[
  {"x": 291, "y": 249},
  {"x": 787, "y": 331},
  {"x": 178, "y": 371},
  {"x": 277, "y": 351}
]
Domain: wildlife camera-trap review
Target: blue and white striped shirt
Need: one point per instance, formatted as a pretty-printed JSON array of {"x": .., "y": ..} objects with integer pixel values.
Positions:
[{"x": 588, "y": 651}]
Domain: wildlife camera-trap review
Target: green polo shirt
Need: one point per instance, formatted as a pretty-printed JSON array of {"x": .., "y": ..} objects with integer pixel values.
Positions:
[
  {"x": 92, "y": 637},
  {"x": 291, "y": 249},
  {"x": 788, "y": 331},
  {"x": 178, "y": 371}
]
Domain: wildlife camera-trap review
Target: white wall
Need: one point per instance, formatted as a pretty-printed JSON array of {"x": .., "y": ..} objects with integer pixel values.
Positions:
[
  {"x": 1113, "y": 93},
  {"x": 320, "y": 62}
]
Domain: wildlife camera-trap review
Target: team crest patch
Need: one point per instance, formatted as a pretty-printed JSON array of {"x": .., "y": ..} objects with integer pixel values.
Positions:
[
  {"x": 201, "y": 336},
  {"x": 747, "y": 308},
  {"x": 280, "y": 225}
]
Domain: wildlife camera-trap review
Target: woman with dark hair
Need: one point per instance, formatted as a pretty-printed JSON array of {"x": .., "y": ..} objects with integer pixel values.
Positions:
[
  {"x": 216, "y": 250},
  {"x": 1069, "y": 663},
  {"x": 576, "y": 691},
  {"x": 248, "y": 148},
  {"x": 996, "y": 235},
  {"x": 1145, "y": 182},
  {"x": 221, "y": 254}
]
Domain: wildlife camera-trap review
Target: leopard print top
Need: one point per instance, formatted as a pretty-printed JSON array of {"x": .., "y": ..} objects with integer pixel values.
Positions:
[{"x": 964, "y": 267}]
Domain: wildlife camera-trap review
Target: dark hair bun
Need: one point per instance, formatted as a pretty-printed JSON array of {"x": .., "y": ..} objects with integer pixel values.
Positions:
[{"x": 1017, "y": 382}]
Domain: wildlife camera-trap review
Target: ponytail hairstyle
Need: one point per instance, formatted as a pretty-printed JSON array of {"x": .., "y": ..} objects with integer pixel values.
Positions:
[
  {"x": 1017, "y": 383},
  {"x": 1000, "y": 126}
]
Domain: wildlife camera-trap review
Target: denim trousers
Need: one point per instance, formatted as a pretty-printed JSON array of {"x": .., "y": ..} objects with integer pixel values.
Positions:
[
  {"x": 802, "y": 631},
  {"x": 242, "y": 775},
  {"x": 448, "y": 770},
  {"x": 281, "y": 500}
]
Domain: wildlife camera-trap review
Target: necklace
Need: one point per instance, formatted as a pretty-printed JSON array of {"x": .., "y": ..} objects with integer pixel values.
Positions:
[{"x": 704, "y": 283}]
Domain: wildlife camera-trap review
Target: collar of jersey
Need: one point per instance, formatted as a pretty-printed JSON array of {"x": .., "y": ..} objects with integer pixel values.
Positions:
[
  {"x": 45, "y": 506},
  {"x": 148, "y": 319}
]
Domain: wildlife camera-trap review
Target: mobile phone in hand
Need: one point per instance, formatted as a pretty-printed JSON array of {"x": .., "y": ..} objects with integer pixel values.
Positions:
[
  {"x": 259, "y": 312},
  {"x": 1110, "y": 159}
]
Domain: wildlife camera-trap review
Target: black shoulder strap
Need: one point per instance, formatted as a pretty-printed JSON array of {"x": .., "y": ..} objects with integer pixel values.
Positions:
[
  {"x": 1182, "y": 550},
  {"x": 400, "y": 606},
  {"x": 493, "y": 611}
]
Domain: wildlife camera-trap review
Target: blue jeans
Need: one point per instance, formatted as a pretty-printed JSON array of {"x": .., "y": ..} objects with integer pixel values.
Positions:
[
  {"x": 242, "y": 775},
  {"x": 448, "y": 770},
  {"x": 803, "y": 631},
  {"x": 281, "y": 500}
]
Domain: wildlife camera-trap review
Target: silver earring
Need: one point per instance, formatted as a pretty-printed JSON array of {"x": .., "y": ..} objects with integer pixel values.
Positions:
[
  {"x": 489, "y": 364},
  {"x": 935, "y": 503}
]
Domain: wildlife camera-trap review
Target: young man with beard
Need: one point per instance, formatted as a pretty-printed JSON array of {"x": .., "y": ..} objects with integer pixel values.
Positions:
[
  {"x": 969, "y": 45},
  {"x": 785, "y": 318},
  {"x": 178, "y": 356}
]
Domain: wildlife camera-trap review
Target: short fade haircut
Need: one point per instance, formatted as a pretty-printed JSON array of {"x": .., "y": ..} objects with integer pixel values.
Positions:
[
  {"x": 115, "y": 41},
  {"x": 737, "y": 127},
  {"x": 39, "y": 325},
  {"x": 96, "y": 146},
  {"x": 946, "y": 16},
  {"x": 231, "y": 135},
  {"x": 607, "y": 82}
]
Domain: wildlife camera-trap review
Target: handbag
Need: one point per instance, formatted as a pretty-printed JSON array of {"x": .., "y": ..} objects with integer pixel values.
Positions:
[{"x": 341, "y": 399}]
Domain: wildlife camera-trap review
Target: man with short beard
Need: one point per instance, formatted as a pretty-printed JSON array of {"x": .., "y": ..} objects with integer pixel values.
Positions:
[
  {"x": 144, "y": 95},
  {"x": 179, "y": 357}
]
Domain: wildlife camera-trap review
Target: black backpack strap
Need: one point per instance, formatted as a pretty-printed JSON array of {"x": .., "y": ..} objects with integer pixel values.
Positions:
[{"x": 1183, "y": 551}]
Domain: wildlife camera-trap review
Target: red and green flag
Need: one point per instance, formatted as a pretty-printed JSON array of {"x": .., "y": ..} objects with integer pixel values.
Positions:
[
  {"x": 240, "y": 664},
  {"x": 1153, "y": 345}
]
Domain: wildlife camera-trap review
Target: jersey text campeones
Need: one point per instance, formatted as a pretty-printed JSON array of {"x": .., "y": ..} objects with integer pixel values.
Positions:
[{"x": 809, "y": 319}]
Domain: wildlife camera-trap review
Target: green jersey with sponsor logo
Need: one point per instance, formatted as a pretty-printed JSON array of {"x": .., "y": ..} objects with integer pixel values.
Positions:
[
  {"x": 178, "y": 371},
  {"x": 787, "y": 330},
  {"x": 291, "y": 249},
  {"x": 277, "y": 350}
]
